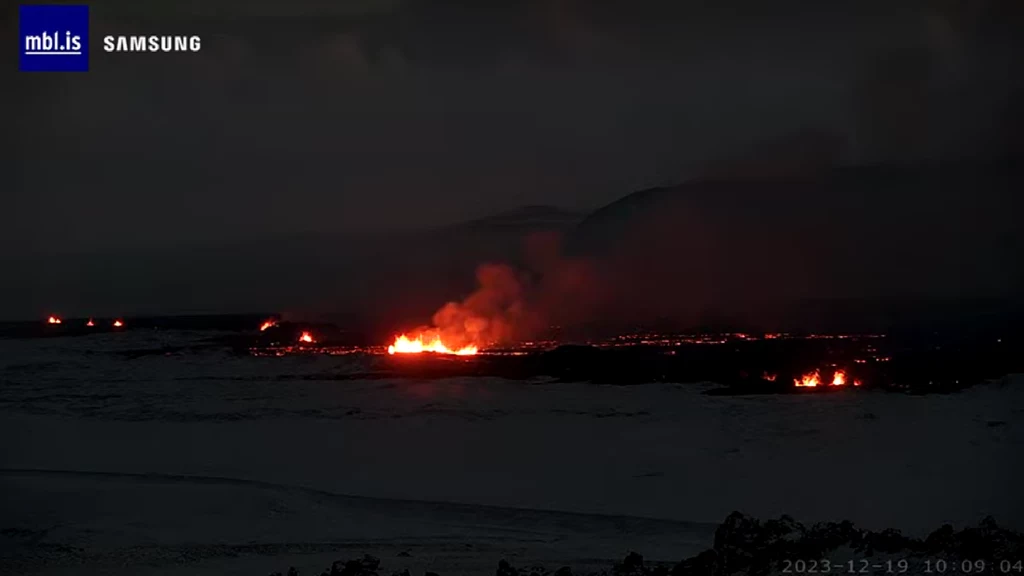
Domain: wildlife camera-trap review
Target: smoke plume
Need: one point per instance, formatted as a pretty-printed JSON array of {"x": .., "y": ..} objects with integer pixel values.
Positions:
[
  {"x": 496, "y": 312},
  {"x": 511, "y": 304}
]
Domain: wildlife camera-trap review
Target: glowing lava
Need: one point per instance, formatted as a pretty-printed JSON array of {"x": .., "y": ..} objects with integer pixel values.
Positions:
[
  {"x": 306, "y": 338},
  {"x": 53, "y": 320},
  {"x": 268, "y": 324},
  {"x": 118, "y": 324},
  {"x": 809, "y": 380},
  {"x": 404, "y": 345},
  {"x": 90, "y": 323},
  {"x": 813, "y": 380},
  {"x": 839, "y": 379}
]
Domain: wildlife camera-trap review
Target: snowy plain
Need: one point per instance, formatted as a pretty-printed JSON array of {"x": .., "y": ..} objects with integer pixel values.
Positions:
[{"x": 150, "y": 452}]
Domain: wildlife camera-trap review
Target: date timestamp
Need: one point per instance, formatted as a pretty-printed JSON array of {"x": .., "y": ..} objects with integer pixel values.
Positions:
[{"x": 903, "y": 566}]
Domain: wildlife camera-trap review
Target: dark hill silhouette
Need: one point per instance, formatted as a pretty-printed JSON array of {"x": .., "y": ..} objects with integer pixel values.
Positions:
[
  {"x": 527, "y": 217},
  {"x": 746, "y": 249},
  {"x": 844, "y": 248},
  {"x": 387, "y": 277}
]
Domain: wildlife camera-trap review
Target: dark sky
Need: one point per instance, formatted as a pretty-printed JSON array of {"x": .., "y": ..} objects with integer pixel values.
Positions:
[{"x": 377, "y": 115}]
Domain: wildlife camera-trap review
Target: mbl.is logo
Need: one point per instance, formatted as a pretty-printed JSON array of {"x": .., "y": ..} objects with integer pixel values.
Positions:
[{"x": 54, "y": 38}]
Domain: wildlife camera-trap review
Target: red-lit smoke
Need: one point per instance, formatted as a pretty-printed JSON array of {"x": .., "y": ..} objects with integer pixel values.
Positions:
[{"x": 510, "y": 304}]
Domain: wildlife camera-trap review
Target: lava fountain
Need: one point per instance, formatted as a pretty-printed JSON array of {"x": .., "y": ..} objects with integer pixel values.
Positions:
[
  {"x": 839, "y": 378},
  {"x": 813, "y": 379},
  {"x": 405, "y": 345},
  {"x": 809, "y": 380}
]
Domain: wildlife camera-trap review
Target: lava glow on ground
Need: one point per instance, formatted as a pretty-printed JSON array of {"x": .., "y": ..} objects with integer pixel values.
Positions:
[
  {"x": 809, "y": 380},
  {"x": 404, "y": 345},
  {"x": 813, "y": 379}
]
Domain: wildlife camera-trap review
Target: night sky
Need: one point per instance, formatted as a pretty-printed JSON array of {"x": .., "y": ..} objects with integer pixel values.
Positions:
[
  {"x": 390, "y": 115},
  {"x": 373, "y": 117}
]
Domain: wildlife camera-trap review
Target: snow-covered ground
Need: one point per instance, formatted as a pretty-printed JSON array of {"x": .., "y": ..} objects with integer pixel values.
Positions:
[
  {"x": 162, "y": 524},
  {"x": 202, "y": 455}
]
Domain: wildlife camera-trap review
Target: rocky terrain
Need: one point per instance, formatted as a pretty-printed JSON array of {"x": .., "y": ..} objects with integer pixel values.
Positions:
[{"x": 746, "y": 545}]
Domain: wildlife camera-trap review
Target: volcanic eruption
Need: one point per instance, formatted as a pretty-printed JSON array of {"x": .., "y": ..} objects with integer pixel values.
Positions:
[
  {"x": 839, "y": 378},
  {"x": 403, "y": 345},
  {"x": 813, "y": 379},
  {"x": 493, "y": 313},
  {"x": 809, "y": 380}
]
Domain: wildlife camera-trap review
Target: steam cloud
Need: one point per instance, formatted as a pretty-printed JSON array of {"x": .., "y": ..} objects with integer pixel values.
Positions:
[
  {"x": 496, "y": 312},
  {"x": 512, "y": 304}
]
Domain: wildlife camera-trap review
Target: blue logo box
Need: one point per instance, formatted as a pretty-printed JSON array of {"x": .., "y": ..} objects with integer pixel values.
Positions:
[{"x": 54, "y": 38}]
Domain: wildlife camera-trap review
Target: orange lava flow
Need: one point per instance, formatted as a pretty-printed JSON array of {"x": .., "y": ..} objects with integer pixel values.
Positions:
[
  {"x": 90, "y": 323},
  {"x": 118, "y": 324},
  {"x": 306, "y": 337},
  {"x": 53, "y": 320},
  {"x": 809, "y": 380},
  {"x": 404, "y": 345},
  {"x": 268, "y": 324},
  {"x": 813, "y": 379},
  {"x": 839, "y": 379}
]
